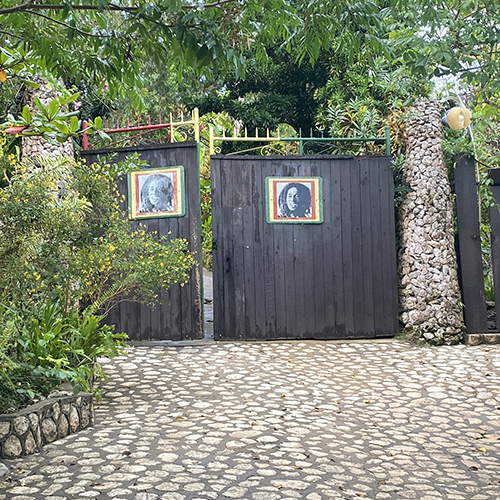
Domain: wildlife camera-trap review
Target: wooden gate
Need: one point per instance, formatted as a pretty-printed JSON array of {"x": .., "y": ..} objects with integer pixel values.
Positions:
[
  {"x": 278, "y": 279},
  {"x": 477, "y": 318},
  {"x": 179, "y": 313}
]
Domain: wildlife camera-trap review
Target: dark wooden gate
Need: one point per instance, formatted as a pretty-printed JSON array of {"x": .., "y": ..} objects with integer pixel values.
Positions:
[
  {"x": 480, "y": 324},
  {"x": 331, "y": 280},
  {"x": 179, "y": 313}
]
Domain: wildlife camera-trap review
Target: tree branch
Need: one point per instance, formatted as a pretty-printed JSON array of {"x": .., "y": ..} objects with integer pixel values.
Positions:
[
  {"x": 491, "y": 103},
  {"x": 30, "y": 6},
  {"x": 84, "y": 33},
  {"x": 19, "y": 8},
  {"x": 11, "y": 34},
  {"x": 209, "y": 5}
]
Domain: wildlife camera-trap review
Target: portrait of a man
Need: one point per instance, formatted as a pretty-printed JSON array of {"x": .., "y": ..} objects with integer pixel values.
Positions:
[
  {"x": 294, "y": 200},
  {"x": 156, "y": 193}
]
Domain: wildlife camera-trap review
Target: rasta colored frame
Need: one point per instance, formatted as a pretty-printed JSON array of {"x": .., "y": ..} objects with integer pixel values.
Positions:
[
  {"x": 136, "y": 185},
  {"x": 315, "y": 186}
]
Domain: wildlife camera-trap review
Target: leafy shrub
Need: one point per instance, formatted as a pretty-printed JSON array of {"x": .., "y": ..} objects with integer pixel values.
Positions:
[
  {"x": 67, "y": 256},
  {"x": 44, "y": 348},
  {"x": 61, "y": 230}
]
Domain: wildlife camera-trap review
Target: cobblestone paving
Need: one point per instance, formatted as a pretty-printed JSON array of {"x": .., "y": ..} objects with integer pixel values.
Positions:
[{"x": 282, "y": 421}]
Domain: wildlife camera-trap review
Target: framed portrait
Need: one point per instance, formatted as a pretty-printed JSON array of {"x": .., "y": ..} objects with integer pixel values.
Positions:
[
  {"x": 295, "y": 200},
  {"x": 156, "y": 192}
]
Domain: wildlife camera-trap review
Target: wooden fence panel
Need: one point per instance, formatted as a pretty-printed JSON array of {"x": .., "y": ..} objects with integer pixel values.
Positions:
[
  {"x": 469, "y": 245},
  {"x": 332, "y": 280},
  {"x": 495, "y": 247},
  {"x": 494, "y": 174},
  {"x": 179, "y": 313}
]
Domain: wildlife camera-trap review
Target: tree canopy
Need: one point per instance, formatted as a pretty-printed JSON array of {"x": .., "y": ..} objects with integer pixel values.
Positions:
[
  {"x": 450, "y": 37},
  {"x": 107, "y": 40},
  {"x": 124, "y": 45}
]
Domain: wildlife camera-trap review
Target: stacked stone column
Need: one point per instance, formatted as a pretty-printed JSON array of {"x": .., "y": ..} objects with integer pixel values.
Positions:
[{"x": 429, "y": 290}]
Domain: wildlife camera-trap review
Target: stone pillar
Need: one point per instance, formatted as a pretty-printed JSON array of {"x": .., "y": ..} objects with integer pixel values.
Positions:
[
  {"x": 37, "y": 146},
  {"x": 429, "y": 292}
]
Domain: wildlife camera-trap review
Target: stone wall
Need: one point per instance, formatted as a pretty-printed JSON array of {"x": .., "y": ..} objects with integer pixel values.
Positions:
[
  {"x": 23, "y": 432},
  {"x": 429, "y": 291},
  {"x": 38, "y": 146}
]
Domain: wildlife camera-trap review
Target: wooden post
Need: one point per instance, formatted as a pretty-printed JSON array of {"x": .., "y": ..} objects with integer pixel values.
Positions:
[
  {"x": 85, "y": 136},
  {"x": 469, "y": 243},
  {"x": 495, "y": 235},
  {"x": 211, "y": 140},
  {"x": 196, "y": 119},
  {"x": 387, "y": 141}
]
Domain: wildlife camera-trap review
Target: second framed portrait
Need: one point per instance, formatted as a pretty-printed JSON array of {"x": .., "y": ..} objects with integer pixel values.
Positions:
[
  {"x": 296, "y": 200},
  {"x": 156, "y": 192}
]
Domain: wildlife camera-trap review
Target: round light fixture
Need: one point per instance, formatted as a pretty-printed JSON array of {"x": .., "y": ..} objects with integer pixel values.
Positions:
[{"x": 458, "y": 118}]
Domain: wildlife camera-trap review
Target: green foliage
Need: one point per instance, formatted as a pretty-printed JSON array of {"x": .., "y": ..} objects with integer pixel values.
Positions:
[
  {"x": 141, "y": 51},
  {"x": 358, "y": 101},
  {"x": 45, "y": 347},
  {"x": 486, "y": 202},
  {"x": 60, "y": 224},
  {"x": 451, "y": 37},
  {"x": 53, "y": 121},
  {"x": 111, "y": 40},
  {"x": 206, "y": 222},
  {"x": 219, "y": 122},
  {"x": 344, "y": 94},
  {"x": 64, "y": 243},
  {"x": 281, "y": 91},
  {"x": 480, "y": 142}
]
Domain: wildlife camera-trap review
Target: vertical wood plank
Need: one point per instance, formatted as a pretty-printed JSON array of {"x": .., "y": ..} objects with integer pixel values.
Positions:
[
  {"x": 246, "y": 250},
  {"x": 305, "y": 279},
  {"x": 378, "y": 252},
  {"x": 389, "y": 325},
  {"x": 347, "y": 252},
  {"x": 190, "y": 228},
  {"x": 289, "y": 268},
  {"x": 278, "y": 231},
  {"x": 265, "y": 235},
  {"x": 469, "y": 243},
  {"x": 237, "y": 257},
  {"x": 367, "y": 217},
  {"x": 320, "y": 252},
  {"x": 334, "y": 288},
  {"x": 298, "y": 280},
  {"x": 154, "y": 330},
  {"x": 218, "y": 249},
  {"x": 356, "y": 250},
  {"x": 495, "y": 246},
  {"x": 260, "y": 288},
  {"x": 391, "y": 262},
  {"x": 227, "y": 178},
  {"x": 278, "y": 168}
]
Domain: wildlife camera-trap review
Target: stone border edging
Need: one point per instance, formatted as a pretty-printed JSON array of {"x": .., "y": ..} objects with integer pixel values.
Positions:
[
  {"x": 23, "y": 432},
  {"x": 482, "y": 338}
]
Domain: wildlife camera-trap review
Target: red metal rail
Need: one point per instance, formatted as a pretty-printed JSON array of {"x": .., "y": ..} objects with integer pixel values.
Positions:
[{"x": 194, "y": 121}]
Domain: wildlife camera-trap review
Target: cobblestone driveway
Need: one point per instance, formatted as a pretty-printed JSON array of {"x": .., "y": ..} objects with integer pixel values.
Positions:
[{"x": 284, "y": 420}]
